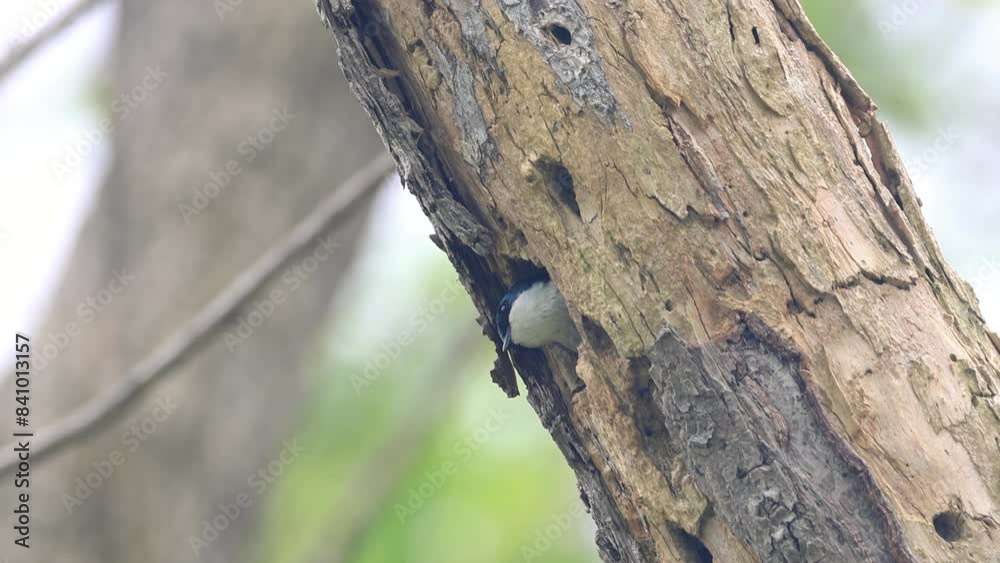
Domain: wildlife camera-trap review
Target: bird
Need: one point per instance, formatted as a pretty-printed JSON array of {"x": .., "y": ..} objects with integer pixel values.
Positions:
[{"x": 533, "y": 314}]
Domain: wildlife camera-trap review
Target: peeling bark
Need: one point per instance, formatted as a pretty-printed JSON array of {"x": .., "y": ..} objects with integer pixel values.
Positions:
[{"x": 778, "y": 363}]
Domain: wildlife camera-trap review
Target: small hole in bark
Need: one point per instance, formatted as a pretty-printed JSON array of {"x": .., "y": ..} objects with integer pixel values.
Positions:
[
  {"x": 624, "y": 254},
  {"x": 560, "y": 181},
  {"x": 794, "y": 307},
  {"x": 559, "y": 33},
  {"x": 756, "y": 36},
  {"x": 953, "y": 357},
  {"x": 696, "y": 549},
  {"x": 429, "y": 7},
  {"x": 669, "y": 305},
  {"x": 598, "y": 338},
  {"x": 525, "y": 270},
  {"x": 949, "y": 525}
]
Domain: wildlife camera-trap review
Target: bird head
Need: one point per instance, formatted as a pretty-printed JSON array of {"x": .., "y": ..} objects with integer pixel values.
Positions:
[
  {"x": 532, "y": 314},
  {"x": 503, "y": 310},
  {"x": 503, "y": 319}
]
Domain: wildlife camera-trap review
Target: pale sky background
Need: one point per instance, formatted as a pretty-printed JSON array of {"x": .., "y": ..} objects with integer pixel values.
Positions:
[{"x": 48, "y": 105}]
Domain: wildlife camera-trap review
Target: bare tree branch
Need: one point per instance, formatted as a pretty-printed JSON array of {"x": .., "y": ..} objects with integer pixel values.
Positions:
[
  {"x": 24, "y": 51},
  {"x": 105, "y": 408}
]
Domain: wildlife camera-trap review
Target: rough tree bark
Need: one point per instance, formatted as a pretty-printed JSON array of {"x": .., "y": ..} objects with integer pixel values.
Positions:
[{"x": 778, "y": 363}]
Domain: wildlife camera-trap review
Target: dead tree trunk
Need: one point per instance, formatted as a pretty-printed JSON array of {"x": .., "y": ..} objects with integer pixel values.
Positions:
[{"x": 778, "y": 363}]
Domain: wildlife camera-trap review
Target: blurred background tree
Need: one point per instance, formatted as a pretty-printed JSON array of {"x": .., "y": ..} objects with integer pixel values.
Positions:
[
  {"x": 226, "y": 131},
  {"x": 397, "y": 394}
]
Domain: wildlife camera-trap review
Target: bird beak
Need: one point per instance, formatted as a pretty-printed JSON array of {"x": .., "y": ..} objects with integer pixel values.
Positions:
[{"x": 506, "y": 340}]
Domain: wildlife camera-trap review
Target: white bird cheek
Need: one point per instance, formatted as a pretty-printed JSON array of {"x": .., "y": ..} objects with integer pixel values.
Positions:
[
  {"x": 538, "y": 316},
  {"x": 525, "y": 330}
]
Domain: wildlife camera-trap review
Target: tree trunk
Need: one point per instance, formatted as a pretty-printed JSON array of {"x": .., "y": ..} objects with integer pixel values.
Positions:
[
  {"x": 778, "y": 364},
  {"x": 142, "y": 488}
]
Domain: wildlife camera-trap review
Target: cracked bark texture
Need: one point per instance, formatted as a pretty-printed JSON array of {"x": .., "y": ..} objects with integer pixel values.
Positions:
[{"x": 778, "y": 364}]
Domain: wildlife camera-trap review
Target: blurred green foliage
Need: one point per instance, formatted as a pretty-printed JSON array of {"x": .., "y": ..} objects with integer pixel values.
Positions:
[
  {"x": 485, "y": 483},
  {"x": 863, "y": 44}
]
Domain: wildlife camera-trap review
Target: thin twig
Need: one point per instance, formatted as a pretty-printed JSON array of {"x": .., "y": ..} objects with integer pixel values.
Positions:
[
  {"x": 22, "y": 52},
  {"x": 89, "y": 418}
]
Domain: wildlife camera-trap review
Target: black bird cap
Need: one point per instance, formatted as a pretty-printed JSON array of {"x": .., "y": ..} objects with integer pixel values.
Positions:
[{"x": 503, "y": 309}]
